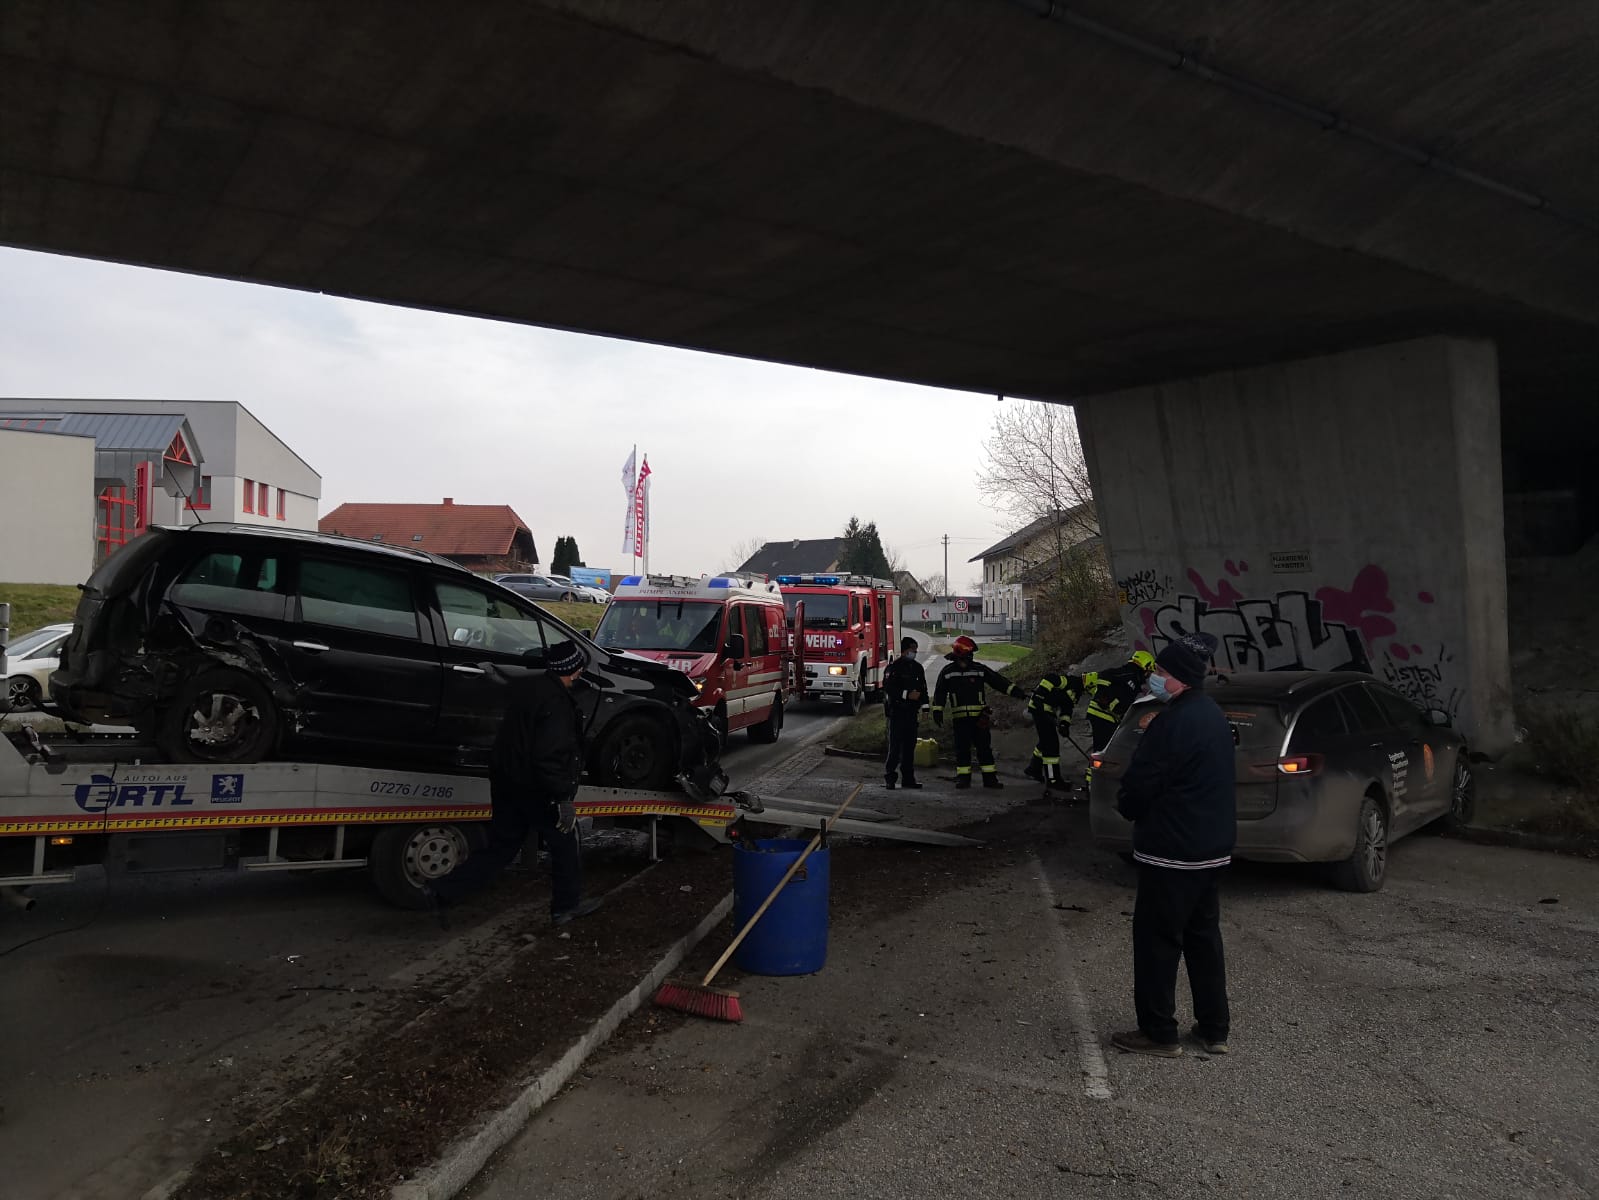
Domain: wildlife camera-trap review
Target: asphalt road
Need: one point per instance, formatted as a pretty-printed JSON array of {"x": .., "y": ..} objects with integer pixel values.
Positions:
[
  {"x": 124, "y": 1041},
  {"x": 1436, "y": 1039}
]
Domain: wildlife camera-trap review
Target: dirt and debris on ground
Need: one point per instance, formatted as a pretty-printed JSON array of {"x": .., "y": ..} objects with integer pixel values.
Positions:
[{"x": 393, "y": 1101}]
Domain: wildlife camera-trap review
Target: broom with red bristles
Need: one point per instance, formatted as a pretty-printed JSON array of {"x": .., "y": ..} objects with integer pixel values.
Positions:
[{"x": 701, "y": 999}]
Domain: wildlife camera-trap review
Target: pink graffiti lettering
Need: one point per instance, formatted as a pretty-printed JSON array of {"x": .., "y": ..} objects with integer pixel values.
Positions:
[
  {"x": 1225, "y": 595},
  {"x": 1148, "y": 615},
  {"x": 1360, "y": 607},
  {"x": 1425, "y": 598}
]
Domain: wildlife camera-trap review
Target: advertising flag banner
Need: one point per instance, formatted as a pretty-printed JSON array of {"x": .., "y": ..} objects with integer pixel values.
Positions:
[
  {"x": 641, "y": 511},
  {"x": 629, "y": 482}
]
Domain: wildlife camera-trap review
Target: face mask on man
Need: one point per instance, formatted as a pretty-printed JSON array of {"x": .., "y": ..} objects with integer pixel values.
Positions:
[{"x": 1157, "y": 687}]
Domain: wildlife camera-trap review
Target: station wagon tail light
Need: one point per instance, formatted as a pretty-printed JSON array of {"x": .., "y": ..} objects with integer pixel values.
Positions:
[{"x": 1299, "y": 764}]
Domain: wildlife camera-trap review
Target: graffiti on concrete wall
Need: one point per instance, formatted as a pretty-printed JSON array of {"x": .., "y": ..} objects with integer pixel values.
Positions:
[
  {"x": 1422, "y": 679},
  {"x": 1327, "y": 629},
  {"x": 1141, "y": 587}
]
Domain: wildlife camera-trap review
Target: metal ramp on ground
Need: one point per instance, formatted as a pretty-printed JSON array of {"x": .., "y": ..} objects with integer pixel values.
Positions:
[{"x": 808, "y": 814}]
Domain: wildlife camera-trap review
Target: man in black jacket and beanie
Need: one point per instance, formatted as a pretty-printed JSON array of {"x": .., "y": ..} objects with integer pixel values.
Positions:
[
  {"x": 533, "y": 779},
  {"x": 1178, "y": 793}
]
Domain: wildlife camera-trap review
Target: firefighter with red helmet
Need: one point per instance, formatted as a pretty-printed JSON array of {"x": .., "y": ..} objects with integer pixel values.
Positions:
[
  {"x": 1110, "y": 694},
  {"x": 961, "y": 685}
]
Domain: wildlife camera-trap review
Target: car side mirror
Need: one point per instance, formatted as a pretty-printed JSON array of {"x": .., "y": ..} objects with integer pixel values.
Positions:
[{"x": 736, "y": 646}]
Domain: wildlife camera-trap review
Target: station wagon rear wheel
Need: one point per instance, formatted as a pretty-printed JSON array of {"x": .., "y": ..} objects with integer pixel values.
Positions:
[
  {"x": 222, "y": 717},
  {"x": 1366, "y": 868}
]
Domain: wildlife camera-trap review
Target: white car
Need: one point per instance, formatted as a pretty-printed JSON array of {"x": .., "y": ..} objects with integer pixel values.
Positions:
[
  {"x": 583, "y": 591},
  {"x": 27, "y": 666}
]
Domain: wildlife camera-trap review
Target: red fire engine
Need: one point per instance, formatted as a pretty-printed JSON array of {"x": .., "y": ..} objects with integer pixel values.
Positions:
[{"x": 851, "y": 633}]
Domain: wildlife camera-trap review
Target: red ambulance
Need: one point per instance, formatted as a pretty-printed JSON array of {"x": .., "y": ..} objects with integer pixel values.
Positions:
[
  {"x": 729, "y": 635},
  {"x": 851, "y": 633}
]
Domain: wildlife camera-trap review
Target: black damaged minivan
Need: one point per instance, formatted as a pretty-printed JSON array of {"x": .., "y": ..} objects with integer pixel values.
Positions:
[{"x": 236, "y": 644}]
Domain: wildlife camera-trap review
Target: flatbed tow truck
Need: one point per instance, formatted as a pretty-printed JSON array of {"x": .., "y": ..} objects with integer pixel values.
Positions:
[{"x": 77, "y": 799}]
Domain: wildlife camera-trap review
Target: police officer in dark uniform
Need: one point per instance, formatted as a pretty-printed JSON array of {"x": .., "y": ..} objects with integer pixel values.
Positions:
[
  {"x": 904, "y": 700},
  {"x": 961, "y": 684},
  {"x": 1051, "y": 707},
  {"x": 533, "y": 779}
]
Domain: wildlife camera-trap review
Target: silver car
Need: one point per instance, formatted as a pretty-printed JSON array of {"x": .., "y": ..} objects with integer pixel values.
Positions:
[{"x": 1331, "y": 767}]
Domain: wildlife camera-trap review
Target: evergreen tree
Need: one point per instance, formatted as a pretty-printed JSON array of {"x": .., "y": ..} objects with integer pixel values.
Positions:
[{"x": 863, "y": 552}]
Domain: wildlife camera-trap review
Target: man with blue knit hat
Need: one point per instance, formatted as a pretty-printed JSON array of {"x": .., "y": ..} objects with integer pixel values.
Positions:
[
  {"x": 1178, "y": 793},
  {"x": 533, "y": 779}
]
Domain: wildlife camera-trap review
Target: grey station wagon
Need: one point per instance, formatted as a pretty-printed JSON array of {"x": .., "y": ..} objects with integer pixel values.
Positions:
[{"x": 1331, "y": 767}]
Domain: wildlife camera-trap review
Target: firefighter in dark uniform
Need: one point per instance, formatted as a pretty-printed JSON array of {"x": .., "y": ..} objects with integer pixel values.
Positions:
[
  {"x": 533, "y": 778},
  {"x": 961, "y": 684},
  {"x": 1051, "y": 707},
  {"x": 1110, "y": 694},
  {"x": 904, "y": 700}
]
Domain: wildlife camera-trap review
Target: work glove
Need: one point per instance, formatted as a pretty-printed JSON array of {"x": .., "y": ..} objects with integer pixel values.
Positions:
[
  {"x": 566, "y": 818},
  {"x": 938, "y": 716},
  {"x": 1064, "y": 728}
]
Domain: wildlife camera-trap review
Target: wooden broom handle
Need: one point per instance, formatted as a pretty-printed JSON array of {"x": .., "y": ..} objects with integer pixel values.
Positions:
[{"x": 816, "y": 840}]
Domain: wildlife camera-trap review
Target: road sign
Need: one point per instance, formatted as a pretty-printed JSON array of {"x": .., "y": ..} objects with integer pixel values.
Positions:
[
  {"x": 960, "y": 603},
  {"x": 927, "y": 615}
]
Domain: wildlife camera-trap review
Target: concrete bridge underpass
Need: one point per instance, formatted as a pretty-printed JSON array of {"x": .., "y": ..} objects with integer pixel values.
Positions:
[{"x": 1313, "y": 273}]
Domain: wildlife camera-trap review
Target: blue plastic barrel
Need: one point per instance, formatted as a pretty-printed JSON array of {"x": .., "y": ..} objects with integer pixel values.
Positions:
[{"x": 791, "y": 936}]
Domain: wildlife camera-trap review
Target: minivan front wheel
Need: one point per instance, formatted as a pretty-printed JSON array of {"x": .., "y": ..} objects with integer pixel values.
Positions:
[
  {"x": 1366, "y": 868},
  {"x": 222, "y": 717},
  {"x": 636, "y": 753}
]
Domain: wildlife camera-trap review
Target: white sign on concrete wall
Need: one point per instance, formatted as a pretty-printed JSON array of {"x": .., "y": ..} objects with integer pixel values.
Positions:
[{"x": 1290, "y": 562}]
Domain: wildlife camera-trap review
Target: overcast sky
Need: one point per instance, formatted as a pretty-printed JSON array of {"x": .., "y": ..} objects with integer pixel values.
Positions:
[{"x": 395, "y": 404}]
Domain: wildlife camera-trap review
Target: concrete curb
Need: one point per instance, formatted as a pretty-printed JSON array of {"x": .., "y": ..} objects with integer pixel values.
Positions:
[
  {"x": 462, "y": 1161},
  {"x": 1547, "y": 843}
]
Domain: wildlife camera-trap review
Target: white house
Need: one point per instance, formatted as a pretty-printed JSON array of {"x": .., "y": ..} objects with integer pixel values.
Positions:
[{"x": 47, "y": 507}]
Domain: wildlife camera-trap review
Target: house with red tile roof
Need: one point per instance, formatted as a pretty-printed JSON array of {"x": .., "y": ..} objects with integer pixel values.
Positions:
[{"x": 481, "y": 537}]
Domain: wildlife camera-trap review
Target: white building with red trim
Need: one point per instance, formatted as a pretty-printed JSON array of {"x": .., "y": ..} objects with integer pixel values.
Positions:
[{"x": 159, "y": 462}]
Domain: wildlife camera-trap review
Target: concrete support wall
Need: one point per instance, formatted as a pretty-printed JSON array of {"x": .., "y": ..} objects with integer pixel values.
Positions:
[
  {"x": 46, "y": 508},
  {"x": 1337, "y": 512}
]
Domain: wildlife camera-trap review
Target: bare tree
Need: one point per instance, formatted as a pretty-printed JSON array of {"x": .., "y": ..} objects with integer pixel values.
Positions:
[
  {"x": 742, "y": 551},
  {"x": 933, "y": 585},
  {"x": 1035, "y": 473}
]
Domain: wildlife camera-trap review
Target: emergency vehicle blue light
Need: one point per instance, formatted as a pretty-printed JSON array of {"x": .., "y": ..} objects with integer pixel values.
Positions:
[
  {"x": 719, "y": 581},
  {"x": 788, "y": 579},
  {"x": 631, "y": 581},
  {"x": 828, "y": 580}
]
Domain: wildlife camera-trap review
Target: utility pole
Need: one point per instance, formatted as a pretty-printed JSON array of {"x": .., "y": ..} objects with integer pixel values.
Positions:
[{"x": 947, "y": 592}]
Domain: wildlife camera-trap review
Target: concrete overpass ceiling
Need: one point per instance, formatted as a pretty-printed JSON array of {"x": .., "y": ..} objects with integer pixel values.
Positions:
[{"x": 950, "y": 192}]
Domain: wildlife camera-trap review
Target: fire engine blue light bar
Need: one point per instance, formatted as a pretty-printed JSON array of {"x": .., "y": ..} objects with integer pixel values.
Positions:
[
  {"x": 788, "y": 579},
  {"x": 719, "y": 581},
  {"x": 631, "y": 581}
]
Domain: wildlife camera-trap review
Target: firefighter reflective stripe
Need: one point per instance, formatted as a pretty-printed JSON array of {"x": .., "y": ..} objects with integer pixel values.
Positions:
[
  {"x": 966, "y": 770},
  {"x": 988, "y": 769},
  {"x": 969, "y": 710},
  {"x": 1105, "y": 712}
]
